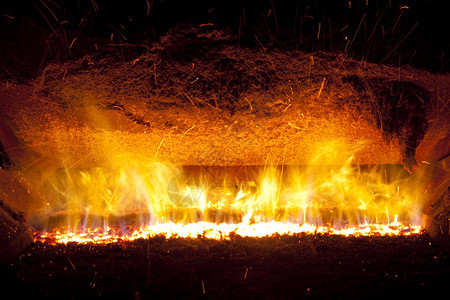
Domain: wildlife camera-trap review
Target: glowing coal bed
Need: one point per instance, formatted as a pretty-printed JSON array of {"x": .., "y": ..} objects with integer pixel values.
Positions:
[{"x": 149, "y": 199}]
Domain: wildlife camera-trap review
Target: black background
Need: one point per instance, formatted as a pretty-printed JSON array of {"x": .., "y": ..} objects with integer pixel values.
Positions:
[{"x": 35, "y": 32}]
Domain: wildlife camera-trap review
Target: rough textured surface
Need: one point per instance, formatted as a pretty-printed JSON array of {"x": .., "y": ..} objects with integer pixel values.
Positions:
[
  {"x": 15, "y": 235},
  {"x": 437, "y": 220},
  {"x": 218, "y": 104},
  {"x": 281, "y": 267}
]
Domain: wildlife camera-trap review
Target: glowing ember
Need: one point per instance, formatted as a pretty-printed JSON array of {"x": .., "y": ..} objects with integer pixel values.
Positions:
[{"x": 224, "y": 231}]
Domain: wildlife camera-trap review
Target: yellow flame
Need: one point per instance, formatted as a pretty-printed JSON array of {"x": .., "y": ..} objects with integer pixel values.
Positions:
[{"x": 147, "y": 198}]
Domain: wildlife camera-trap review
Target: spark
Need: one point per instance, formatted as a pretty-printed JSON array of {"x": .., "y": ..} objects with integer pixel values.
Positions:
[
  {"x": 157, "y": 150},
  {"x": 71, "y": 263},
  {"x": 8, "y": 16},
  {"x": 321, "y": 88},
  {"x": 401, "y": 42},
  {"x": 318, "y": 31},
  {"x": 193, "y": 126},
  {"x": 51, "y": 12},
  {"x": 290, "y": 104},
  {"x": 296, "y": 127},
  {"x": 73, "y": 41},
  {"x": 148, "y": 8},
  {"x": 249, "y": 103}
]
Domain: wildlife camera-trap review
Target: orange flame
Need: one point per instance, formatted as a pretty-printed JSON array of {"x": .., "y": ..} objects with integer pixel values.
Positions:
[{"x": 147, "y": 198}]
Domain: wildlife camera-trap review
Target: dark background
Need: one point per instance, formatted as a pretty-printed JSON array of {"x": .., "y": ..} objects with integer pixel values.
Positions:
[{"x": 36, "y": 32}]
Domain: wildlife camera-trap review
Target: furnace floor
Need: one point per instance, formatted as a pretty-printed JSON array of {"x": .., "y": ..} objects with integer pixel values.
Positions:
[{"x": 281, "y": 267}]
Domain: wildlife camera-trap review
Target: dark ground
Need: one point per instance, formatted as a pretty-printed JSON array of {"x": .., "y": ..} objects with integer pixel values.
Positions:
[{"x": 283, "y": 267}]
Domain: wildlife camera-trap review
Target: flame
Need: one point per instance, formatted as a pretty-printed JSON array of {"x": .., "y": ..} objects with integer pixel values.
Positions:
[
  {"x": 144, "y": 198},
  {"x": 223, "y": 231}
]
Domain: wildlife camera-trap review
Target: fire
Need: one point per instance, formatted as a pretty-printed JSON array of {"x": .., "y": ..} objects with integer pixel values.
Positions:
[
  {"x": 224, "y": 231},
  {"x": 141, "y": 198}
]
